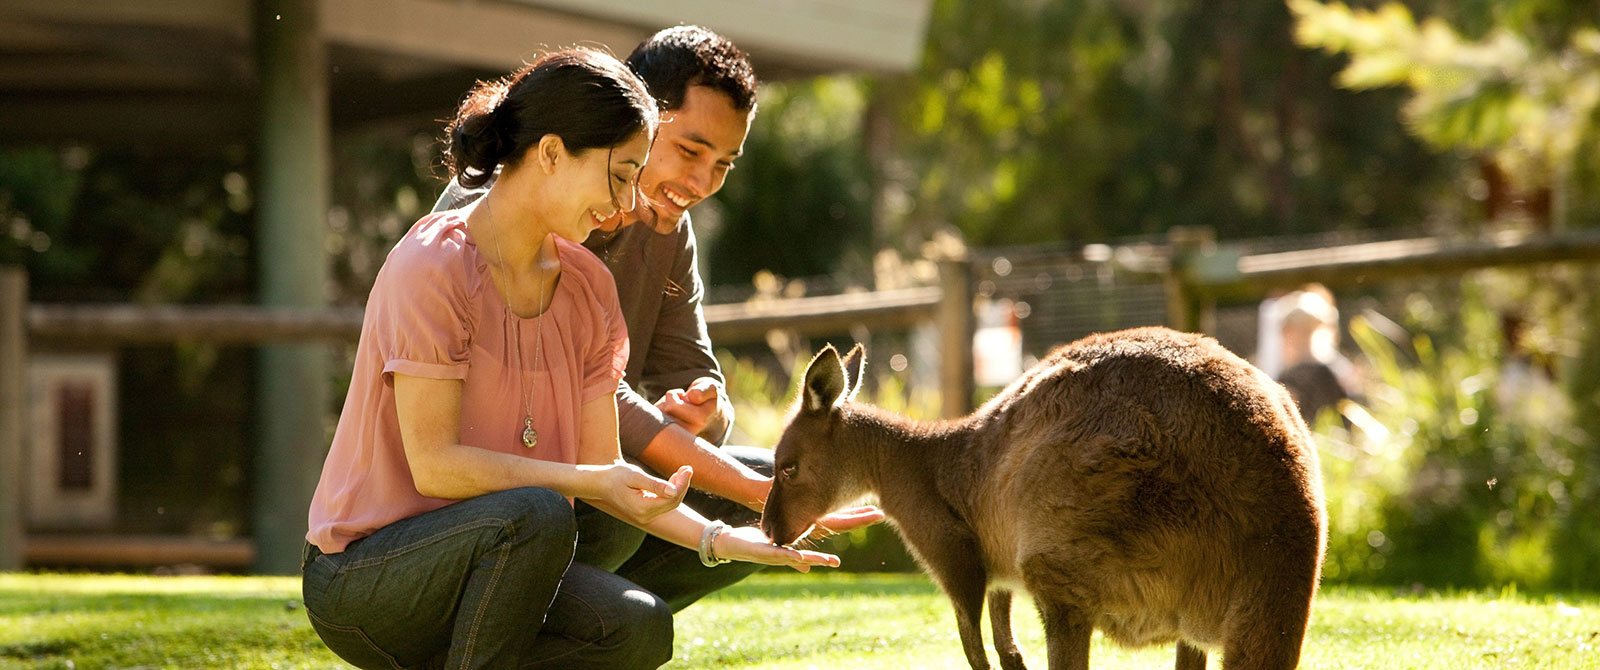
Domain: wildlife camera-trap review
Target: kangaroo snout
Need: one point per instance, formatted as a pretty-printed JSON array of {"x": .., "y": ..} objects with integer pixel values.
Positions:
[{"x": 772, "y": 524}]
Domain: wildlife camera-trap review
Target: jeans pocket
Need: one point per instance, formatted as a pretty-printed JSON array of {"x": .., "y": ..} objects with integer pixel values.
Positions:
[
  {"x": 352, "y": 645},
  {"x": 319, "y": 584}
]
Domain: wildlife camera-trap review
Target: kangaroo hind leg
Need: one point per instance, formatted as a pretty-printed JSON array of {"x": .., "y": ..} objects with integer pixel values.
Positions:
[
  {"x": 1067, "y": 630},
  {"x": 1267, "y": 631},
  {"x": 1190, "y": 657},
  {"x": 1000, "y": 624}
]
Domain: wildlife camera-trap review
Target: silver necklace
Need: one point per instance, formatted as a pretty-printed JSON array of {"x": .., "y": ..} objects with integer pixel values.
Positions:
[{"x": 530, "y": 437}]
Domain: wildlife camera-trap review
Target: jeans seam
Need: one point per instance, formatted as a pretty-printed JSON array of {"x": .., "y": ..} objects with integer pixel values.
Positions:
[
  {"x": 413, "y": 546},
  {"x": 585, "y": 643},
  {"x": 360, "y": 634},
  {"x": 477, "y": 618}
]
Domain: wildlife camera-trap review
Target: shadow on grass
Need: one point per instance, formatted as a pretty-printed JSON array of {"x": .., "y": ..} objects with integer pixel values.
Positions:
[
  {"x": 26, "y": 604},
  {"x": 33, "y": 650}
]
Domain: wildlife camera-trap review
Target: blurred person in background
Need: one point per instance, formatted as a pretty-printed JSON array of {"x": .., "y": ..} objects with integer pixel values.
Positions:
[{"x": 1306, "y": 353}]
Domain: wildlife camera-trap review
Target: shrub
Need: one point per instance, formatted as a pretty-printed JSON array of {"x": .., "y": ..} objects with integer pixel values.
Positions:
[{"x": 1480, "y": 471}]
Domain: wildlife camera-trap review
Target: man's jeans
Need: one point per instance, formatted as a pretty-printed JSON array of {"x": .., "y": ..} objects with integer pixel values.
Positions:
[{"x": 488, "y": 582}]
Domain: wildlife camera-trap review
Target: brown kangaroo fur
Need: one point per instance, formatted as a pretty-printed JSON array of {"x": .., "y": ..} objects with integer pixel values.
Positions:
[{"x": 1146, "y": 482}]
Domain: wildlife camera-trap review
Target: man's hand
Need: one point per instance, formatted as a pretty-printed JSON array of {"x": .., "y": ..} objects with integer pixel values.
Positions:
[{"x": 694, "y": 407}]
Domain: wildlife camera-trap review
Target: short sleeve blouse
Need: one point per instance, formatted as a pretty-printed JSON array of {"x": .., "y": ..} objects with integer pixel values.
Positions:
[{"x": 433, "y": 312}]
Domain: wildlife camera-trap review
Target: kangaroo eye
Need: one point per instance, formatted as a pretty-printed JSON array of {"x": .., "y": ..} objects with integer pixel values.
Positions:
[{"x": 788, "y": 470}]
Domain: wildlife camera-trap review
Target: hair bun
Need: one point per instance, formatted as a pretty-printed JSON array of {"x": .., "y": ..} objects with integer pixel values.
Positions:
[{"x": 480, "y": 137}]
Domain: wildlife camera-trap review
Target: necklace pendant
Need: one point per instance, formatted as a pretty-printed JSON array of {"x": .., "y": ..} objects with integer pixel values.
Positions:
[{"x": 530, "y": 436}]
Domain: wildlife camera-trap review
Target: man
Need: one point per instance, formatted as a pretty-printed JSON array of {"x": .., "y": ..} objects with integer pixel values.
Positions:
[{"x": 672, "y": 407}]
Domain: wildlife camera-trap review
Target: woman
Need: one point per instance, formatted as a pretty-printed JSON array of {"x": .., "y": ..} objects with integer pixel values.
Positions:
[{"x": 442, "y": 532}]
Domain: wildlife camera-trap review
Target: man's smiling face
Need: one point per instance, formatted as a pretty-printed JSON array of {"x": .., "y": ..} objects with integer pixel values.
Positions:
[{"x": 695, "y": 147}]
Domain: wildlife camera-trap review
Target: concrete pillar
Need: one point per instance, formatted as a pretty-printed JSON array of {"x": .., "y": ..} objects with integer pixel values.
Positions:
[
  {"x": 293, "y": 380},
  {"x": 13, "y": 392}
]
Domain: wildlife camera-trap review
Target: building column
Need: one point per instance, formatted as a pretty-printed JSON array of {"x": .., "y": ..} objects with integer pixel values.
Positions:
[
  {"x": 13, "y": 400},
  {"x": 292, "y": 389}
]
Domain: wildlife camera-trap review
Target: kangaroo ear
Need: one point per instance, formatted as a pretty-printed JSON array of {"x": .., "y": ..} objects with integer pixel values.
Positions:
[
  {"x": 855, "y": 363},
  {"x": 824, "y": 381}
]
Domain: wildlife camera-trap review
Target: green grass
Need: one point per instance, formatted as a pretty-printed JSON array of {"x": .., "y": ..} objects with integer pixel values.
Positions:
[{"x": 776, "y": 621}]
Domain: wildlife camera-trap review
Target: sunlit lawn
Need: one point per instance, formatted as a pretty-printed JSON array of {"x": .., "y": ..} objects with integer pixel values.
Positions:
[{"x": 773, "y": 621}]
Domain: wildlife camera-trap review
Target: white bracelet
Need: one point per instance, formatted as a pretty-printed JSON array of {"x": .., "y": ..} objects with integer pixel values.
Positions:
[{"x": 708, "y": 557}]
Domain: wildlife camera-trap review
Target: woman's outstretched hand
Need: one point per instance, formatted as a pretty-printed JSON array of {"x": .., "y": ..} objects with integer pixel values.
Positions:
[
  {"x": 637, "y": 497},
  {"x": 751, "y": 545}
]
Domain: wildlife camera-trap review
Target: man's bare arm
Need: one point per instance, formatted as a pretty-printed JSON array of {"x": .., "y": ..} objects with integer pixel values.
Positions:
[{"x": 715, "y": 471}]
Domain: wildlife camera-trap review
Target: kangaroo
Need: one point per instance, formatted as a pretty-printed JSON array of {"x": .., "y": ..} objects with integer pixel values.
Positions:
[{"x": 1145, "y": 482}]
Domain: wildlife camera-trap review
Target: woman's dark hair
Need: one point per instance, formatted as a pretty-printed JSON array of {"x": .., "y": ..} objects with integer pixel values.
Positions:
[
  {"x": 676, "y": 58},
  {"x": 587, "y": 98}
]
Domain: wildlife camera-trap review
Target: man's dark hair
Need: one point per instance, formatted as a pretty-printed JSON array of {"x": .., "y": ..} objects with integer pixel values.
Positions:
[{"x": 679, "y": 57}]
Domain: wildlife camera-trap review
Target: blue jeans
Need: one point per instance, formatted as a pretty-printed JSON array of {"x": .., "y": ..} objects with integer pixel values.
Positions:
[{"x": 488, "y": 582}]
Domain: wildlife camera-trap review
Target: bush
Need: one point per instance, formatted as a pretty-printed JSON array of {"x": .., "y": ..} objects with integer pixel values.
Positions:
[{"x": 1476, "y": 471}]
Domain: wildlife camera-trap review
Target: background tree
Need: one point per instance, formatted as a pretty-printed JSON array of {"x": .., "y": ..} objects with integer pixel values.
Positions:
[
  {"x": 1090, "y": 119},
  {"x": 1521, "y": 95},
  {"x": 796, "y": 203}
]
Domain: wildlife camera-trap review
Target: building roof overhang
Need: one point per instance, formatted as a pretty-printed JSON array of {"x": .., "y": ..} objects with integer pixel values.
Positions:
[{"x": 181, "y": 72}]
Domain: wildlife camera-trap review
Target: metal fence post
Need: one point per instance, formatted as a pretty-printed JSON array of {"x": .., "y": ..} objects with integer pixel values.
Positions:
[{"x": 13, "y": 397}]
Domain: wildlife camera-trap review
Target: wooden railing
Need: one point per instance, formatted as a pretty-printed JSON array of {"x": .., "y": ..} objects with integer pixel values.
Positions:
[
  {"x": 948, "y": 305},
  {"x": 1201, "y": 272}
]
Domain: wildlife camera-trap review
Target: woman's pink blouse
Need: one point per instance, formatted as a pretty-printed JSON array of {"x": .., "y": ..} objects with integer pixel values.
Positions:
[{"x": 434, "y": 312}]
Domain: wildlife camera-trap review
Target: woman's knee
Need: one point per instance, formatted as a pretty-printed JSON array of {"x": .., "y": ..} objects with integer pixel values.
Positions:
[
  {"x": 533, "y": 517},
  {"x": 534, "y": 506}
]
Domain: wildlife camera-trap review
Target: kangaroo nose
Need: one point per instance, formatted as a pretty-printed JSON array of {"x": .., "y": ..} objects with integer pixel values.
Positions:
[{"x": 770, "y": 525}]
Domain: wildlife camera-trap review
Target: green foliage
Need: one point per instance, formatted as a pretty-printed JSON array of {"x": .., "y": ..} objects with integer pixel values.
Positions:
[
  {"x": 95, "y": 225},
  {"x": 383, "y": 182},
  {"x": 760, "y": 402},
  {"x": 762, "y": 399},
  {"x": 823, "y": 620},
  {"x": 1479, "y": 474},
  {"x": 1030, "y": 122},
  {"x": 1089, "y": 119},
  {"x": 797, "y": 202},
  {"x": 1526, "y": 92}
]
